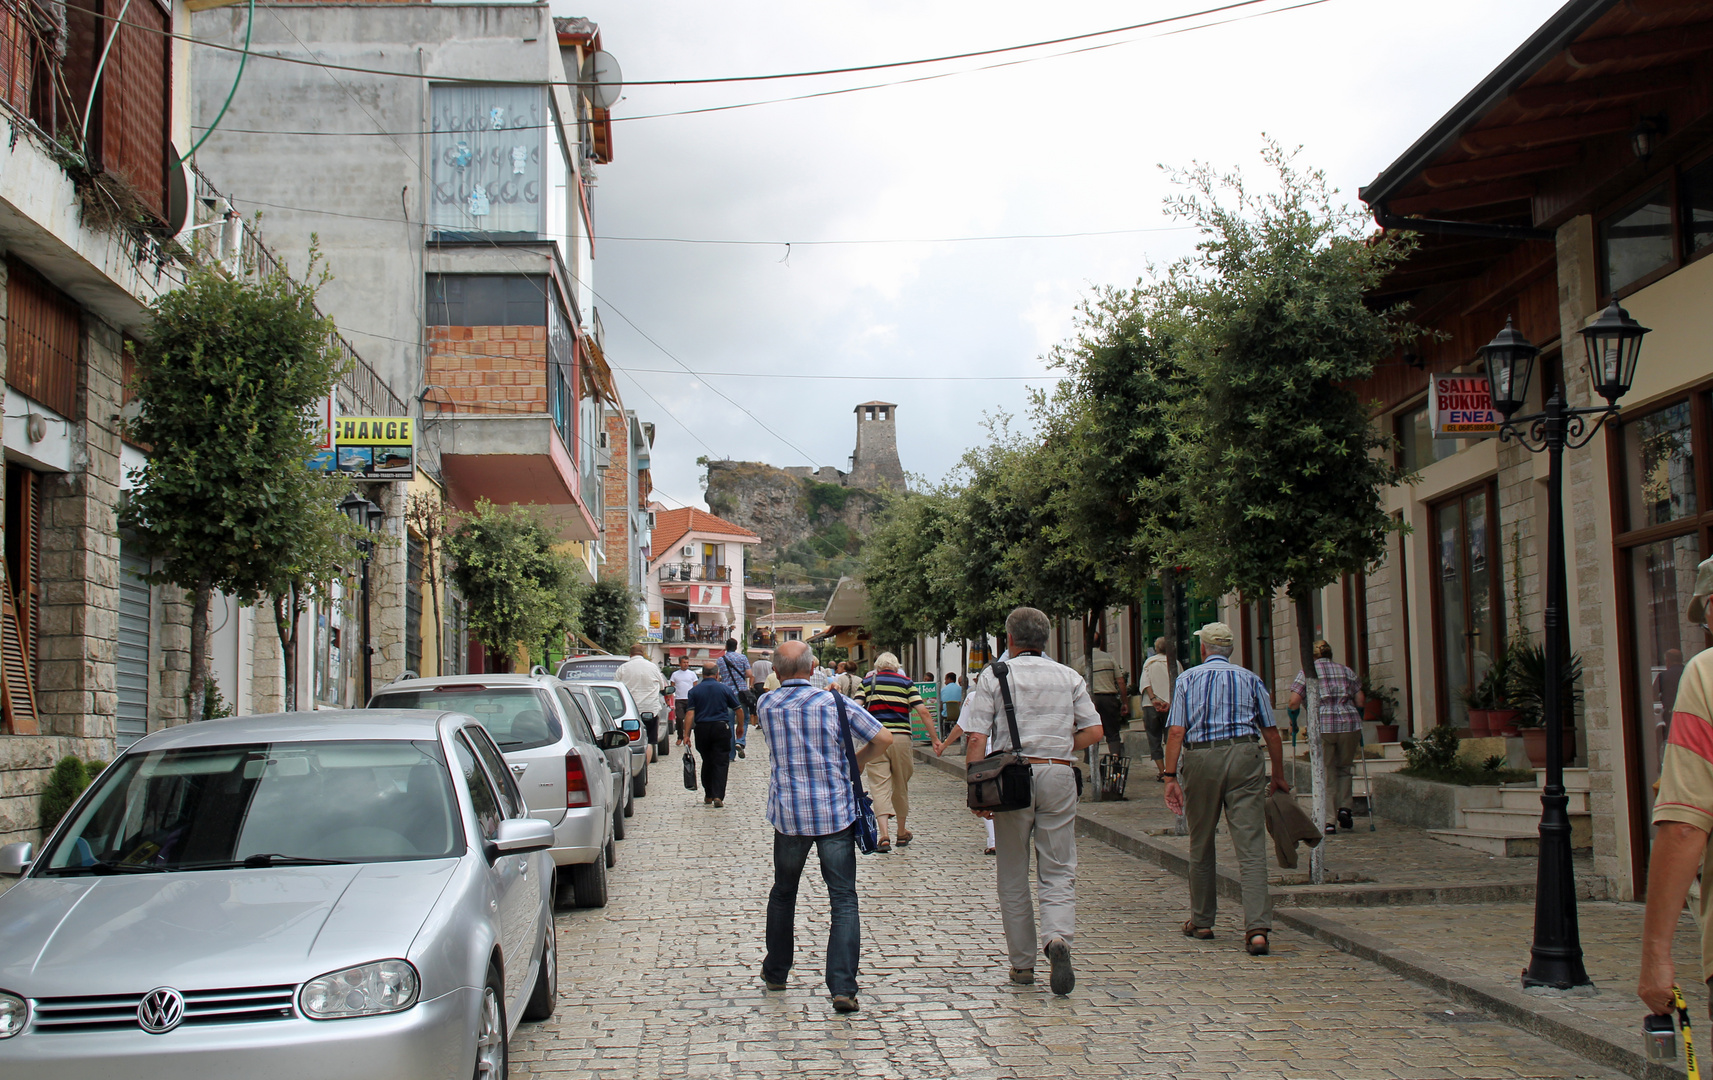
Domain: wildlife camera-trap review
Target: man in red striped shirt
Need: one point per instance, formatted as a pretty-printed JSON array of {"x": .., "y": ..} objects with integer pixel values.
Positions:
[{"x": 1683, "y": 813}]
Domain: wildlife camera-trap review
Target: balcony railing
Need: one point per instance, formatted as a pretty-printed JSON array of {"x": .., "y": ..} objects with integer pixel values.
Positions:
[
  {"x": 689, "y": 571},
  {"x": 682, "y": 633}
]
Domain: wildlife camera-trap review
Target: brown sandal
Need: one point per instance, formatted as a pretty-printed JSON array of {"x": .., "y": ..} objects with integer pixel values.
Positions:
[
  {"x": 1261, "y": 949},
  {"x": 1200, "y": 933}
]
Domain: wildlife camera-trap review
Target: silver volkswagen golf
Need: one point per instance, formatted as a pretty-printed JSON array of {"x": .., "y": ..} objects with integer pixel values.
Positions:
[{"x": 329, "y": 895}]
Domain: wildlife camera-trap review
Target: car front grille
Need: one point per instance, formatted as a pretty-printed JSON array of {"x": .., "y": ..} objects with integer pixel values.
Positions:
[{"x": 116, "y": 1012}]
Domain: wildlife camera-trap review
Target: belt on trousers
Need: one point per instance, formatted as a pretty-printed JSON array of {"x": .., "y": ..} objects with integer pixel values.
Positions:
[
  {"x": 1052, "y": 761},
  {"x": 1211, "y": 743}
]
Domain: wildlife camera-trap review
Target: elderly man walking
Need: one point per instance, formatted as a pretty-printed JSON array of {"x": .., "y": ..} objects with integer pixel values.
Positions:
[
  {"x": 891, "y": 697},
  {"x": 1056, "y": 718},
  {"x": 1221, "y": 714},
  {"x": 1156, "y": 701},
  {"x": 645, "y": 684},
  {"x": 710, "y": 716},
  {"x": 810, "y": 803}
]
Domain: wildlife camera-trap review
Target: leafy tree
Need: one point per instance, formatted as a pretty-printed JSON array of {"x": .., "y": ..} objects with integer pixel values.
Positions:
[
  {"x": 609, "y": 616},
  {"x": 70, "y": 776},
  {"x": 314, "y": 549},
  {"x": 904, "y": 596},
  {"x": 225, "y": 381},
  {"x": 1288, "y": 468},
  {"x": 521, "y": 590}
]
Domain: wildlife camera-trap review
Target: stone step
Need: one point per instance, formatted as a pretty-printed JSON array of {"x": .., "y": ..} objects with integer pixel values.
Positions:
[
  {"x": 1520, "y": 823},
  {"x": 1528, "y": 797},
  {"x": 1504, "y": 844}
]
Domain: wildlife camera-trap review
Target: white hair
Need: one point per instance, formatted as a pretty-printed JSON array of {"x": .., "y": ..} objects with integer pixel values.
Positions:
[{"x": 887, "y": 662}]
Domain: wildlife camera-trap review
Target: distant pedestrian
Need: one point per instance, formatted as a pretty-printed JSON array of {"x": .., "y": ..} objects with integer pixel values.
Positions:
[
  {"x": 889, "y": 695},
  {"x": 642, "y": 678},
  {"x": 951, "y": 703},
  {"x": 760, "y": 674},
  {"x": 1156, "y": 701},
  {"x": 733, "y": 670},
  {"x": 810, "y": 803},
  {"x": 1220, "y": 715},
  {"x": 712, "y": 704},
  {"x": 957, "y": 732},
  {"x": 820, "y": 678},
  {"x": 1055, "y": 719},
  {"x": 682, "y": 680},
  {"x": 846, "y": 681},
  {"x": 1340, "y": 712},
  {"x": 1106, "y": 682}
]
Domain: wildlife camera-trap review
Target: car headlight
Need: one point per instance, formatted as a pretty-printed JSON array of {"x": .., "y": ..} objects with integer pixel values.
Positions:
[
  {"x": 14, "y": 1012},
  {"x": 369, "y": 990}
]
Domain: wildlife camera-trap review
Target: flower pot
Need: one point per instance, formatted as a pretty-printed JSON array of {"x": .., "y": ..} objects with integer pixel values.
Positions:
[
  {"x": 1534, "y": 744},
  {"x": 1478, "y": 724},
  {"x": 1502, "y": 721},
  {"x": 1373, "y": 709},
  {"x": 1386, "y": 733}
]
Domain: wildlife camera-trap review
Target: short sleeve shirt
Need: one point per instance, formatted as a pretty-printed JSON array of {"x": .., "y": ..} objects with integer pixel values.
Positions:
[
  {"x": 682, "y": 681},
  {"x": 1337, "y": 701},
  {"x": 890, "y": 696},
  {"x": 1686, "y": 777},
  {"x": 712, "y": 701},
  {"x": 1052, "y": 703},
  {"x": 1216, "y": 700},
  {"x": 733, "y": 669}
]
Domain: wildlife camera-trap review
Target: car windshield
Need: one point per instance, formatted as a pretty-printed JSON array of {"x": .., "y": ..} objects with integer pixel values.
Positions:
[
  {"x": 612, "y": 699},
  {"x": 584, "y": 670},
  {"x": 518, "y": 717},
  {"x": 262, "y": 804}
]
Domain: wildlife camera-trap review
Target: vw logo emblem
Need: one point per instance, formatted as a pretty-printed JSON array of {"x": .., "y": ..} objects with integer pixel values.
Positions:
[{"x": 160, "y": 1011}]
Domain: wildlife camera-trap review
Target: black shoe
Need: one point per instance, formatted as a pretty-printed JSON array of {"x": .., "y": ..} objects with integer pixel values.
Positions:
[
  {"x": 845, "y": 1003},
  {"x": 1062, "y": 980},
  {"x": 1346, "y": 820},
  {"x": 740, "y": 751},
  {"x": 771, "y": 985}
]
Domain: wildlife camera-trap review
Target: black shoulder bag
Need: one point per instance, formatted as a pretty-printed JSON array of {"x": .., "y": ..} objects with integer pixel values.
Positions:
[{"x": 1002, "y": 781}]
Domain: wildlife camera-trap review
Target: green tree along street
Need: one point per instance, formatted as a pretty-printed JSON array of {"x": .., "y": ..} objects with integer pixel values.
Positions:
[
  {"x": 521, "y": 590},
  {"x": 226, "y": 380},
  {"x": 609, "y": 616}
]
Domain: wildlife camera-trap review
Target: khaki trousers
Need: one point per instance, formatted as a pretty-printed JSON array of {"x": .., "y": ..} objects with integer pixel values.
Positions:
[
  {"x": 1340, "y": 750},
  {"x": 888, "y": 779},
  {"x": 1052, "y": 821},
  {"x": 1231, "y": 778}
]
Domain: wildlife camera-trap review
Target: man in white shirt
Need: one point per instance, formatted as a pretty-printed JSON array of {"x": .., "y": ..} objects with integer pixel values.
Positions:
[
  {"x": 1156, "y": 703},
  {"x": 643, "y": 680},
  {"x": 682, "y": 680}
]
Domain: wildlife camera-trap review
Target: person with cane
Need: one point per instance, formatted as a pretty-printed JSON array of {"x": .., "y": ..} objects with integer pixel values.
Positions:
[{"x": 1340, "y": 708}]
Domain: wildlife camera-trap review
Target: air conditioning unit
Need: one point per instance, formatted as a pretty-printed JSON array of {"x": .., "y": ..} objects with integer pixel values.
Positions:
[{"x": 687, "y": 551}]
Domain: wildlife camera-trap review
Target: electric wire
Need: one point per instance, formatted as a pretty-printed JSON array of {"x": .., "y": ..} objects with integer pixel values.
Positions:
[{"x": 249, "y": 25}]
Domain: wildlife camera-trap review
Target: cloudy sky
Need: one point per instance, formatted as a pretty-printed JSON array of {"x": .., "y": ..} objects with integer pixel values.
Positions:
[{"x": 1059, "y": 144}]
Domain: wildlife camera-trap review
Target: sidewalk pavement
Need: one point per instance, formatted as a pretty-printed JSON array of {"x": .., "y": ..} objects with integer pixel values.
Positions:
[{"x": 1456, "y": 921}]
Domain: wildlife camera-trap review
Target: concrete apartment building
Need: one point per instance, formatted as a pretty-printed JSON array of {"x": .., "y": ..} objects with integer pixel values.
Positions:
[{"x": 450, "y": 184}]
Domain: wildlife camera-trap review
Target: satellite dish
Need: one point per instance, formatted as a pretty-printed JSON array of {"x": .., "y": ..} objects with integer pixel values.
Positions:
[
  {"x": 179, "y": 187},
  {"x": 602, "y": 80}
]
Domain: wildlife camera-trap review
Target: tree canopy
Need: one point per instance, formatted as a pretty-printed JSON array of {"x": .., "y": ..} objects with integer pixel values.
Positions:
[{"x": 520, "y": 589}]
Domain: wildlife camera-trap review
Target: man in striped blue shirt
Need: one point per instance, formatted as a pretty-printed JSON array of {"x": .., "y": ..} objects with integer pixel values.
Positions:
[
  {"x": 1221, "y": 715},
  {"x": 810, "y": 803}
]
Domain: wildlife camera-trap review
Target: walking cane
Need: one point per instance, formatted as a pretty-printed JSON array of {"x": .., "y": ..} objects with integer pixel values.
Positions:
[{"x": 1362, "y": 748}]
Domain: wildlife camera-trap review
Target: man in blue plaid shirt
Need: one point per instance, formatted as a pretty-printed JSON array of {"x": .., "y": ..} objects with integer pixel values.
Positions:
[{"x": 810, "y": 803}]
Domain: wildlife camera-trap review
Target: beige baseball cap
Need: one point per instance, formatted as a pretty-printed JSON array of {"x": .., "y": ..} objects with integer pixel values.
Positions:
[
  {"x": 1217, "y": 634},
  {"x": 1703, "y": 589}
]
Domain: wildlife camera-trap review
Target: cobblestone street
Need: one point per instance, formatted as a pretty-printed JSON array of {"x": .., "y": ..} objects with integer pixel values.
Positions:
[{"x": 664, "y": 981}]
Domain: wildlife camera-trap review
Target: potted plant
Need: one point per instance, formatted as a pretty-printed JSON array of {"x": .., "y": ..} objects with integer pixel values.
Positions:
[
  {"x": 1502, "y": 715},
  {"x": 1528, "y": 695},
  {"x": 1477, "y": 700},
  {"x": 1382, "y": 709}
]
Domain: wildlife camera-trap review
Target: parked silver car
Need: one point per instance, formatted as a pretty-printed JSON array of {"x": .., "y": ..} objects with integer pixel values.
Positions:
[
  {"x": 343, "y": 894},
  {"x": 615, "y": 697},
  {"x": 557, "y": 756},
  {"x": 618, "y": 753}
]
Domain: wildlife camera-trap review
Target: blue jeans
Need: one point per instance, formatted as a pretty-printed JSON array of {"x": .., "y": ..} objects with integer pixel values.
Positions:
[
  {"x": 740, "y": 731},
  {"x": 837, "y": 853}
]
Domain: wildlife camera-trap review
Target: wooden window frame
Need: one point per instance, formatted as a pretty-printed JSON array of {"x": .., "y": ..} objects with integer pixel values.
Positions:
[{"x": 1490, "y": 488}]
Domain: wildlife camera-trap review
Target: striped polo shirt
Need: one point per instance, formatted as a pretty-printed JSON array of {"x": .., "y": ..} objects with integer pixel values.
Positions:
[{"x": 889, "y": 696}]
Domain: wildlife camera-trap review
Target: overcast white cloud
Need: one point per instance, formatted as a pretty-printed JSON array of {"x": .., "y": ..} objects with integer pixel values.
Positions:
[{"x": 1060, "y": 145}]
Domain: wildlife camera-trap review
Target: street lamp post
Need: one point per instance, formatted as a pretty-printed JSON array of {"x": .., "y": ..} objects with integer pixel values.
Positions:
[
  {"x": 1612, "y": 342},
  {"x": 368, "y": 517}
]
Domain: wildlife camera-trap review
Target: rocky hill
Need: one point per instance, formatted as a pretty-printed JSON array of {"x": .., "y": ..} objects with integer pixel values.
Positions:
[{"x": 811, "y": 532}]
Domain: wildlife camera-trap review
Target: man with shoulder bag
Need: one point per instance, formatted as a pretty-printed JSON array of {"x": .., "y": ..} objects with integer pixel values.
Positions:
[{"x": 1038, "y": 714}]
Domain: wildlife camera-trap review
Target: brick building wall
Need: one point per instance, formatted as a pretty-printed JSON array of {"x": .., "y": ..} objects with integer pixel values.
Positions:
[
  {"x": 489, "y": 368},
  {"x": 615, "y": 484}
]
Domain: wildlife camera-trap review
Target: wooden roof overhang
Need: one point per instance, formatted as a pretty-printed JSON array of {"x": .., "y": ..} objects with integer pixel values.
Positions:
[{"x": 1544, "y": 138}]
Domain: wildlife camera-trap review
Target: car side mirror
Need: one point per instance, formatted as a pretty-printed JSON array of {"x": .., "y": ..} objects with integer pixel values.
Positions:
[
  {"x": 612, "y": 740},
  {"x": 519, "y": 836},
  {"x": 15, "y": 859}
]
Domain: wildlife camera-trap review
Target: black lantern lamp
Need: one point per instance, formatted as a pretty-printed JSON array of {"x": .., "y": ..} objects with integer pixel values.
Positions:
[
  {"x": 368, "y": 518},
  {"x": 1510, "y": 361},
  {"x": 364, "y": 514},
  {"x": 1613, "y": 341},
  {"x": 1645, "y": 136}
]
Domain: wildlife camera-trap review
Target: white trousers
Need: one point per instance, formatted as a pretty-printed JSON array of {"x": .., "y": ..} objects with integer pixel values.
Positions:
[{"x": 1052, "y": 822}]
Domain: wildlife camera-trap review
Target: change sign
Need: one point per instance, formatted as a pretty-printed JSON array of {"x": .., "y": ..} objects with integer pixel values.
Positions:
[
  {"x": 371, "y": 448},
  {"x": 1461, "y": 407}
]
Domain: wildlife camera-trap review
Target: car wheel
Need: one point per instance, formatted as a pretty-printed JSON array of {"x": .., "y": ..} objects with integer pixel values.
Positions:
[
  {"x": 630, "y": 799},
  {"x": 546, "y": 993},
  {"x": 639, "y": 783},
  {"x": 665, "y": 746},
  {"x": 589, "y": 883},
  {"x": 618, "y": 825},
  {"x": 492, "y": 1060},
  {"x": 612, "y": 853}
]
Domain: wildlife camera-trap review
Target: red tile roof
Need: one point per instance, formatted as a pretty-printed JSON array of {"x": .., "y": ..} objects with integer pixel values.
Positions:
[{"x": 671, "y": 526}]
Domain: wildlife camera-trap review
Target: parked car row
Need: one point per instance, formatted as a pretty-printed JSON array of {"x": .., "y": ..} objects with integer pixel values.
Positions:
[{"x": 358, "y": 893}]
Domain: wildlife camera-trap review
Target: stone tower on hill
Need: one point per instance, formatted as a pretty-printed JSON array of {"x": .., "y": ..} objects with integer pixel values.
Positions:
[{"x": 875, "y": 463}]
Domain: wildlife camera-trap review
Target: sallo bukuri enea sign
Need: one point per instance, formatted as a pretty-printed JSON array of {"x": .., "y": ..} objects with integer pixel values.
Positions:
[
  {"x": 1461, "y": 407},
  {"x": 371, "y": 448}
]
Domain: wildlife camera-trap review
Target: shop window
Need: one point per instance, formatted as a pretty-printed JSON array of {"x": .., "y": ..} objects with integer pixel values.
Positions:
[
  {"x": 1662, "y": 580},
  {"x": 487, "y": 300},
  {"x": 1659, "y": 466},
  {"x": 1636, "y": 241},
  {"x": 1418, "y": 447},
  {"x": 1467, "y": 597},
  {"x": 1696, "y": 189}
]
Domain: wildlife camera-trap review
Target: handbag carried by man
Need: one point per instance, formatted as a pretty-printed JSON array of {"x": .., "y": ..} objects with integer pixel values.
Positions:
[
  {"x": 689, "y": 769},
  {"x": 866, "y": 828},
  {"x": 1002, "y": 781}
]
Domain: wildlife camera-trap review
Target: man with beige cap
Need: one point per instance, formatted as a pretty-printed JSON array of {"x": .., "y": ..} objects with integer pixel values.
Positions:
[
  {"x": 1221, "y": 714},
  {"x": 1683, "y": 816}
]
